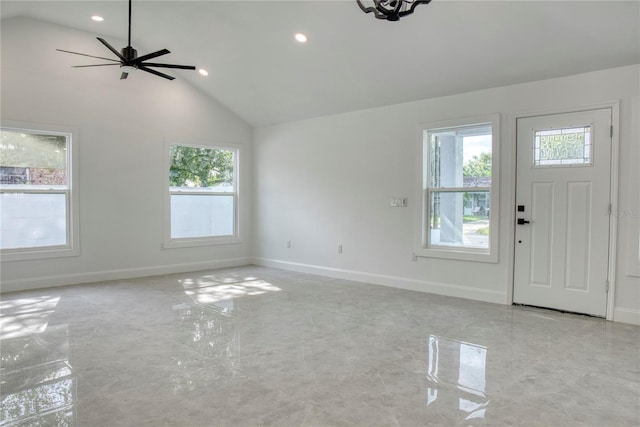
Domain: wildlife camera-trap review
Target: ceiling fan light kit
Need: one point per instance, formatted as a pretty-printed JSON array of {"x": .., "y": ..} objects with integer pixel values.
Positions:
[
  {"x": 129, "y": 61},
  {"x": 390, "y": 10},
  {"x": 128, "y": 69}
]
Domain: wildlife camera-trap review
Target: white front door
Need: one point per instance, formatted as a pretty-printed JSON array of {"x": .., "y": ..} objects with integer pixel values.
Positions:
[{"x": 563, "y": 198}]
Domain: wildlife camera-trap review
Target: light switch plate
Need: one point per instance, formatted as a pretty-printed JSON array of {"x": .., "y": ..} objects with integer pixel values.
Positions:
[{"x": 398, "y": 202}]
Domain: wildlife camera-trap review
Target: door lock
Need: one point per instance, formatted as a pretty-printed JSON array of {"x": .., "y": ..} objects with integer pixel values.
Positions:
[{"x": 522, "y": 221}]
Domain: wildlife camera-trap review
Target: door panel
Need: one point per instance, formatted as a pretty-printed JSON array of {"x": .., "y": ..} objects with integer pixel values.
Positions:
[
  {"x": 541, "y": 233},
  {"x": 578, "y": 242},
  {"x": 563, "y": 189}
]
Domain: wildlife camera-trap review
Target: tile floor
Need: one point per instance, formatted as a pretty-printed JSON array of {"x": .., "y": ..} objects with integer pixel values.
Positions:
[{"x": 255, "y": 346}]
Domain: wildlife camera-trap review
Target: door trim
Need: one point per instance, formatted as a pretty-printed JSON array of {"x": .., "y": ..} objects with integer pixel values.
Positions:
[{"x": 613, "y": 197}]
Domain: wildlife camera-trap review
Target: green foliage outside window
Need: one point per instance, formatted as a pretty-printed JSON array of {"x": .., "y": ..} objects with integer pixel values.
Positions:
[
  {"x": 200, "y": 167},
  {"x": 478, "y": 166}
]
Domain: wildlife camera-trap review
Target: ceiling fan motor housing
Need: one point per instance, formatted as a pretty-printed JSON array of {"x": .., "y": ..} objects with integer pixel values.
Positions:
[{"x": 129, "y": 53}]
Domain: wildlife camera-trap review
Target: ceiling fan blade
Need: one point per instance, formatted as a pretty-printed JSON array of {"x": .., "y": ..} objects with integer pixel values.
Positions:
[
  {"x": 111, "y": 48},
  {"x": 182, "y": 67},
  {"x": 149, "y": 56},
  {"x": 124, "y": 75},
  {"x": 157, "y": 73},
  {"x": 90, "y": 56},
  {"x": 94, "y": 65}
]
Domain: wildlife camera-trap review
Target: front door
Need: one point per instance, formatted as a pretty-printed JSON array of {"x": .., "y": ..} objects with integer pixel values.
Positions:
[{"x": 563, "y": 198}]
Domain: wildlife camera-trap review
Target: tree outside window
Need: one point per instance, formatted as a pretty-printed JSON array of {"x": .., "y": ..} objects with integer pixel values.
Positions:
[{"x": 202, "y": 193}]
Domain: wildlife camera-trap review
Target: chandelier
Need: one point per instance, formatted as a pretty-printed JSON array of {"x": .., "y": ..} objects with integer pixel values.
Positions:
[{"x": 391, "y": 10}]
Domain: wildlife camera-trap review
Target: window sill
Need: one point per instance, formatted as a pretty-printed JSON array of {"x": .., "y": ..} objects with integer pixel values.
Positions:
[
  {"x": 200, "y": 241},
  {"x": 9, "y": 255},
  {"x": 457, "y": 253}
]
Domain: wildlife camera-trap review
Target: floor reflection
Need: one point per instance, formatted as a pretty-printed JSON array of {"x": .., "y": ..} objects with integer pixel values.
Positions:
[
  {"x": 211, "y": 332},
  {"x": 208, "y": 322},
  {"x": 456, "y": 377},
  {"x": 38, "y": 386}
]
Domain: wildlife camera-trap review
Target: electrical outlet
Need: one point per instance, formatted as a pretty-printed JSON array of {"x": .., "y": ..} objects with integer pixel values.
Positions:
[
  {"x": 414, "y": 257},
  {"x": 340, "y": 248},
  {"x": 288, "y": 244}
]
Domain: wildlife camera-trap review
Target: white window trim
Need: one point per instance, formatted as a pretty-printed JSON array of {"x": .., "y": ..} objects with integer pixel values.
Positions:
[
  {"x": 456, "y": 252},
  {"x": 187, "y": 242},
  {"x": 72, "y": 248}
]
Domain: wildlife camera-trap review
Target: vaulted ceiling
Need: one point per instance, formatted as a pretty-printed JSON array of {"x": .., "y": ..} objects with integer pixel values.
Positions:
[{"x": 353, "y": 61}]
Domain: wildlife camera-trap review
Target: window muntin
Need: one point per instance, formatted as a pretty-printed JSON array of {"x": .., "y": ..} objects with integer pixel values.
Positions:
[
  {"x": 203, "y": 194},
  {"x": 36, "y": 209},
  {"x": 459, "y": 181},
  {"x": 562, "y": 147}
]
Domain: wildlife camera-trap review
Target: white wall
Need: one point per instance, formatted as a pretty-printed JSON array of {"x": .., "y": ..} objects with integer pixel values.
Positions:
[
  {"x": 317, "y": 183},
  {"x": 122, "y": 127},
  {"x": 328, "y": 181}
]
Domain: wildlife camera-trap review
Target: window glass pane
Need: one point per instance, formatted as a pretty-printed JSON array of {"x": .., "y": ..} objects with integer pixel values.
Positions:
[
  {"x": 459, "y": 218},
  {"x": 28, "y": 158},
  {"x": 32, "y": 220},
  {"x": 201, "y": 169},
  {"x": 562, "y": 147},
  {"x": 460, "y": 156},
  {"x": 201, "y": 215}
]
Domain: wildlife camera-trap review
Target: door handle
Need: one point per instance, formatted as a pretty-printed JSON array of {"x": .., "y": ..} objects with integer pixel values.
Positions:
[{"x": 521, "y": 221}]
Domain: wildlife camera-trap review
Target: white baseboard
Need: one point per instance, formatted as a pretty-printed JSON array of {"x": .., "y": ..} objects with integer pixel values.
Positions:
[
  {"x": 391, "y": 281},
  {"x": 128, "y": 273},
  {"x": 626, "y": 315}
]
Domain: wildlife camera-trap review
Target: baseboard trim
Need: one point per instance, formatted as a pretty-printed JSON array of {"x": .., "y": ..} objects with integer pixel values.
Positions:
[
  {"x": 128, "y": 273},
  {"x": 467, "y": 292},
  {"x": 626, "y": 315}
]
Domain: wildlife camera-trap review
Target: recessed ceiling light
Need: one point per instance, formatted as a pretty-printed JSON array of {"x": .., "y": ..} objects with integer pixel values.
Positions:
[
  {"x": 302, "y": 38},
  {"x": 97, "y": 18},
  {"x": 203, "y": 72}
]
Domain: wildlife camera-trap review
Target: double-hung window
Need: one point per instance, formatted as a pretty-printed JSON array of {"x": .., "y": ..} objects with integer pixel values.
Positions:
[
  {"x": 38, "y": 206},
  {"x": 202, "y": 195},
  {"x": 459, "y": 190}
]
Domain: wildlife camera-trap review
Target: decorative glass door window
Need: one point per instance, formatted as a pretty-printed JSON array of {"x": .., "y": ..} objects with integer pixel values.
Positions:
[{"x": 562, "y": 147}]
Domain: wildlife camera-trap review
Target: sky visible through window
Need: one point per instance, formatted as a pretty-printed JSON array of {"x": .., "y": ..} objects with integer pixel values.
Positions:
[{"x": 476, "y": 145}]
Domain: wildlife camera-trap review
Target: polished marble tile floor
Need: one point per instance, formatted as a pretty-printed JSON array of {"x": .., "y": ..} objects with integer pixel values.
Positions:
[{"x": 256, "y": 346}]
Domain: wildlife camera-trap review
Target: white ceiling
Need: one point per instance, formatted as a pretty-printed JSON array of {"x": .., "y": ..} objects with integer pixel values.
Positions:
[{"x": 353, "y": 61}]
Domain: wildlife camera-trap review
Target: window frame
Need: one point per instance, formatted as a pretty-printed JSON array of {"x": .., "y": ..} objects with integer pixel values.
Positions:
[
  {"x": 72, "y": 208},
  {"x": 185, "y": 242},
  {"x": 423, "y": 248}
]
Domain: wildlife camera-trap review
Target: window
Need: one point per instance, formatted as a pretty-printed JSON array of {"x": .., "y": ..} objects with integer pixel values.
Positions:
[
  {"x": 562, "y": 147},
  {"x": 459, "y": 209},
  {"x": 202, "y": 196},
  {"x": 38, "y": 210}
]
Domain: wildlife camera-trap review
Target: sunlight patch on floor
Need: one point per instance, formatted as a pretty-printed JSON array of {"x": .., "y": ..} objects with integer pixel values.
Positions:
[
  {"x": 26, "y": 316},
  {"x": 212, "y": 289}
]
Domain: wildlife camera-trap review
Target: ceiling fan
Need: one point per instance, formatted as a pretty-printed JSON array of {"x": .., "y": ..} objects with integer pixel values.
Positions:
[{"x": 129, "y": 61}]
